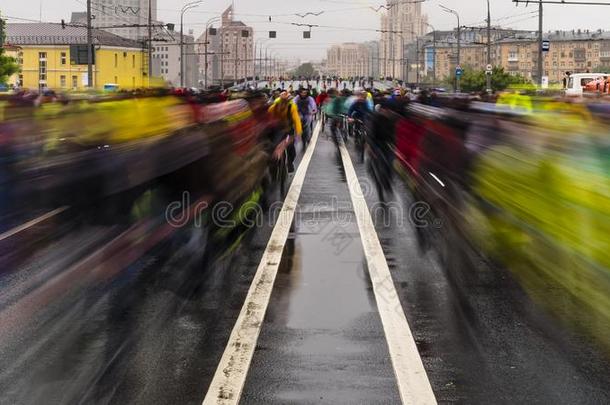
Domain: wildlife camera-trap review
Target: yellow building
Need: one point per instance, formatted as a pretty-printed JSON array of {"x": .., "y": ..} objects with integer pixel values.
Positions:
[{"x": 50, "y": 56}]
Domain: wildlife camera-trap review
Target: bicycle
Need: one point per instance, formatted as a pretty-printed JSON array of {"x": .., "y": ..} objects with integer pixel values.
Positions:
[
  {"x": 359, "y": 131},
  {"x": 344, "y": 127},
  {"x": 280, "y": 173}
]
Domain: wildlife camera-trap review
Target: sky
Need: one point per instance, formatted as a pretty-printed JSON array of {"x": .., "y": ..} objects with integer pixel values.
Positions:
[{"x": 344, "y": 20}]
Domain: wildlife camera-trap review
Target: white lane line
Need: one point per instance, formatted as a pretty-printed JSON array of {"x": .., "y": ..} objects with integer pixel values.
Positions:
[
  {"x": 230, "y": 377},
  {"x": 413, "y": 383},
  {"x": 32, "y": 223}
]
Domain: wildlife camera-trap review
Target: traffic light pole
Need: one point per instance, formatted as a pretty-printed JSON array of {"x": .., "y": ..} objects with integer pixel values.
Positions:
[{"x": 89, "y": 46}]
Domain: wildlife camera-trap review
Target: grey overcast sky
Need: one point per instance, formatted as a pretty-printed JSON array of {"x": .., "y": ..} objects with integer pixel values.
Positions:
[{"x": 353, "y": 19}]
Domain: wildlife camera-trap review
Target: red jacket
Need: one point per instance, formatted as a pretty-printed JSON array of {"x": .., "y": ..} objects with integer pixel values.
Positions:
[{"x": 322, "y": 97}]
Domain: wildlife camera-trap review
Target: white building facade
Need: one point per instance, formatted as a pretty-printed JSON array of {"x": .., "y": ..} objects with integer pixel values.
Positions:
[
  {"x": 166, "y": 59},
  {"x": 109, "y": 13},
  {"x": 401, "y": 24}
]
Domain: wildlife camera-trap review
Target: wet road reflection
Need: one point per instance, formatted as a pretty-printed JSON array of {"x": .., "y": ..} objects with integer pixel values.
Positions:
[{"x": 322, "y": 341}]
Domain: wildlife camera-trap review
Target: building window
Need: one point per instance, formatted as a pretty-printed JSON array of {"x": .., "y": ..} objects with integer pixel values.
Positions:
[
  {"x": 74, "y": 82},
  {"x": 116, "y": 79},
  {"x": 133, "y": 61},
  {"x": 63, "y": 58},
  {"x": 116, "y": 60},
  {"x": 42, "y": 69},
  {"x": 62, "y": 81},
  {"x": 133, "y": 82}
]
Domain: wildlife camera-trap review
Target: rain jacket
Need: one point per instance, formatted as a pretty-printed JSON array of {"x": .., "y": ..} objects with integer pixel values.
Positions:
[{"x": 288, "y": 114}]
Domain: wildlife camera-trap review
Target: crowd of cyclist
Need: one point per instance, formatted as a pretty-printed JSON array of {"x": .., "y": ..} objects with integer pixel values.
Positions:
[{"x": 525, "y": 179}]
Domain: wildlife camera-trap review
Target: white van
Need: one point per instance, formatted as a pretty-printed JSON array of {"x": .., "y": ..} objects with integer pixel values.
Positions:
[{"x": 577, "y": 82}]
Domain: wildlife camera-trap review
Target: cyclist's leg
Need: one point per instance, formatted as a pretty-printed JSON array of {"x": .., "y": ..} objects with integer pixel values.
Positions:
[
  {"x": 292, "y": 154},
  {"x": 334, "y": 129}
]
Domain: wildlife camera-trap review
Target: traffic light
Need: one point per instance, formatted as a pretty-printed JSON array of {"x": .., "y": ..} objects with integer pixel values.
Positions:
[
  {"x": 272, "y": 34},
  {"x": 306, "y": 34},
  {"x": 170, "y": 26}
]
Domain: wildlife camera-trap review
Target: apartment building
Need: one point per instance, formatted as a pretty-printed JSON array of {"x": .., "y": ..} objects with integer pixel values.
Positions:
[
  {"x": 109, "y": 13},
  {"x": 232, "y": 45},
  {"x": 349, "y": 60},
  {"x": 166, "y": 59},
  {"x": 401, "y": 24},
  {"x": 574, "y": 51}
]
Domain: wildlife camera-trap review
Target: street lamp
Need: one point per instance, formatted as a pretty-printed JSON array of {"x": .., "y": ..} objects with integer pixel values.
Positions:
[
  {"x": 488, "y": 74},
  {"x": 186, "y": 7},
  {"x": 455, "y": 13},
  {"x": 205, "y": 51},
  {"x": 433, "y": 53}
]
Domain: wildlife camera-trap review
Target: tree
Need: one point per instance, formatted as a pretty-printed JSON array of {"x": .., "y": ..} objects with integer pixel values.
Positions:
[
  {"x": 475, "y": 80},
  {"x": 305, "y": 70},
  {"x": 8, "y": 65}
]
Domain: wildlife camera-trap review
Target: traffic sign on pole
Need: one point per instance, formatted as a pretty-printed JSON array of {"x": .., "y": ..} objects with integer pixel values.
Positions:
[
  {"x": 458, "y": 71},
  {"x": 546, "y": 45}
]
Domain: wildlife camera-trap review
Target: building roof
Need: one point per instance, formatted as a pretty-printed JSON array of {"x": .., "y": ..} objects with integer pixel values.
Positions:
[
  {"x": 54, "y": 34},
  {"x": 559, "y": 36}
]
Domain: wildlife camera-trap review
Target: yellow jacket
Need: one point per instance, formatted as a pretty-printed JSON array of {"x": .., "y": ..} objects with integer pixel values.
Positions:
[{"x": 288, "y": 113}]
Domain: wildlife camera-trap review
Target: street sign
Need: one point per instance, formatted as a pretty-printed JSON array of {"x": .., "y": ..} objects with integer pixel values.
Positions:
[
  {"x": 489, "y": 68},
  {"x": 458, "y": 71},
  {"x": 546, "y": 45}
]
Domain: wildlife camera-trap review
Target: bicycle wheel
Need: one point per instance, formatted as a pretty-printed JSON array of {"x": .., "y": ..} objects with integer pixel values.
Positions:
[{"x": 359, "y": 140}]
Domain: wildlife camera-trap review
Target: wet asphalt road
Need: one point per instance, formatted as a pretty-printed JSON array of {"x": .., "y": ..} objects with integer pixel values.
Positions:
[
  {"x": 322, "y": 340},
  {"x": 154, "y": 333}
]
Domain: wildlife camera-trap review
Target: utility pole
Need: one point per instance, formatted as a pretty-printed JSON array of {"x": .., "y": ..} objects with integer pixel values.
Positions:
[
  {"x": 222, "y": 62},
  {"x": 418, "y": 60},
  {"x": 182, "y": 48},
  {"x": 487, "y": 75},
  {"x": 393, "y": 54},
  {"x": 89, "y": 46},
  {"x": 459, "y": 45},
  {"x": 540, "y": 53},
  {"x": 236, "y": 57},
  {"x": 149, "y": 42},
  {"x": 433, "y": 54},
  {"x": 403, "y": 65}
]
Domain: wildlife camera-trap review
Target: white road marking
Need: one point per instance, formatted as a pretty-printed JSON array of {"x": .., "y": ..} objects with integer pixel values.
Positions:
[
  {"x": 230, "y": 377},
  {"x": 413, "y": 383},
  {"x": 32, "y": 223}
]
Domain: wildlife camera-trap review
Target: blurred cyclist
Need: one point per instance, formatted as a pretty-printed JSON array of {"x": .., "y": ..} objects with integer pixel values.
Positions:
[
  {"x": 307, "y": 110},
  {"x": 286, "y": 112},
  {"x": 360, "y": 108}
]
